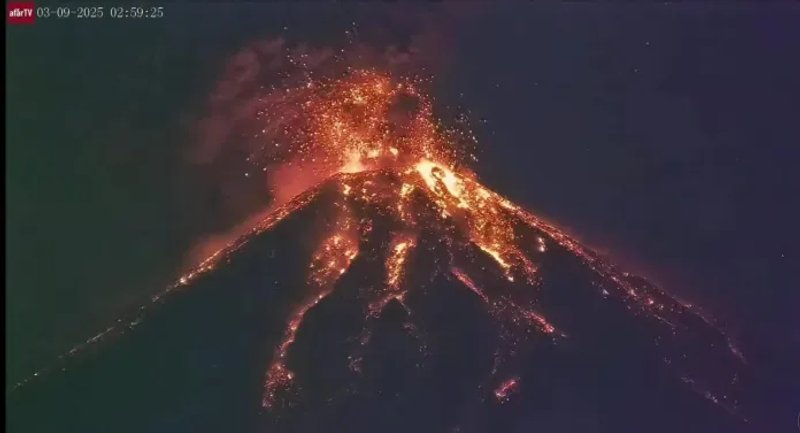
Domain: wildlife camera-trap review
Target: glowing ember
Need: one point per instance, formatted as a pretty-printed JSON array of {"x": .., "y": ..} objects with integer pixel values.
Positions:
[{"x": 506, "y": 389}]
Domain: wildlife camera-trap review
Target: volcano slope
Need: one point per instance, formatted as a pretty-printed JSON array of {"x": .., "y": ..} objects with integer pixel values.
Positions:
[
  {"x": 397, "y": 293},
  {"x": 339, "y": 313}
]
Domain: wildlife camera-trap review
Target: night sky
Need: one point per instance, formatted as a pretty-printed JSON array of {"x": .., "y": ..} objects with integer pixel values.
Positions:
[{"x": 664, "y": 136}]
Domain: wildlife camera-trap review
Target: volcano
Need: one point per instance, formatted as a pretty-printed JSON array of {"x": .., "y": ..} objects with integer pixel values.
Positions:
[{"x": 396, "y": 293}]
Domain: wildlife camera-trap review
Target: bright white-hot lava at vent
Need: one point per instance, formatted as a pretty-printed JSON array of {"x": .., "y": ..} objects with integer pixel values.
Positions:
[{"x": 373, "y": 138}]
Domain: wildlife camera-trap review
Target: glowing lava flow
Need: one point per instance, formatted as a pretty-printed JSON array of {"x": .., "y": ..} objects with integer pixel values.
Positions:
[
  {"x": 377, "y": 142},
  {"x": 328, "y": 264},
  {"x": 409, "y": 169},
  {"x": 401, "y": 162},
  {"x": 395, "y": 265}
]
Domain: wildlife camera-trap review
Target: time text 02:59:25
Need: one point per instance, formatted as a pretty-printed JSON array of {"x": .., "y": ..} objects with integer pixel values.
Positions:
[{"x": 95, "y": 12}]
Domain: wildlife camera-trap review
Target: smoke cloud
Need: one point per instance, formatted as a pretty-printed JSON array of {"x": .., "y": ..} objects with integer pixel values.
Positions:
[{"x": 244, "y": 147}]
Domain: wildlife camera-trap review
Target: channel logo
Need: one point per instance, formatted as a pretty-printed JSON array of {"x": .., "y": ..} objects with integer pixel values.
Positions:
[{"x": 21, "y": 13}]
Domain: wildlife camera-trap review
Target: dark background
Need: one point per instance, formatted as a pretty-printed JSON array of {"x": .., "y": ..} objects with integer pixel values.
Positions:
[{"x": 663, "y": 135}]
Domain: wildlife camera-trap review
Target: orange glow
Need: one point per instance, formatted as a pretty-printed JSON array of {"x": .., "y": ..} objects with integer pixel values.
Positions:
[
  {"x": 412, "y": 173},
  {"x": 395, "y": 265},
  {"x": 397, "y": 259}
]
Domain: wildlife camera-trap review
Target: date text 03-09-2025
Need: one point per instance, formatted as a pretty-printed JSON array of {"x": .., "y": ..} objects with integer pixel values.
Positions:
[{"x": 90, "y": 12}]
